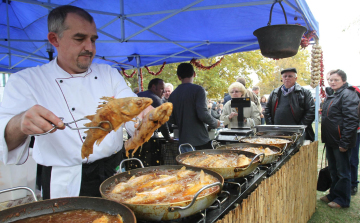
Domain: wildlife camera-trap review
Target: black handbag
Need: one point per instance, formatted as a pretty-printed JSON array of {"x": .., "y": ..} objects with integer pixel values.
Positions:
[{"x": 324, "y": 179}]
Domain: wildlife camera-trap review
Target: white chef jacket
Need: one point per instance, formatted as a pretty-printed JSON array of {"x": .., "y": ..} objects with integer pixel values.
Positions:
[{"x": 68, "y": 96}]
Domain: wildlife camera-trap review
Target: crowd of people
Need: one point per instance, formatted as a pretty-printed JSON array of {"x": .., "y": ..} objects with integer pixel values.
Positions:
[{"x": 71, "y": 82}]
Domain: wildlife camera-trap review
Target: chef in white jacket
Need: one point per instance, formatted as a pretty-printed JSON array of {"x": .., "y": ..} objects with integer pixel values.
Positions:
[{"x": 70, "y": 86}]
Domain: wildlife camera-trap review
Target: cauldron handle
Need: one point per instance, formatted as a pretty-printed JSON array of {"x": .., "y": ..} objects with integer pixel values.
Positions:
[
  {"x": 269, "y": 23},
  {"x": 19, "y": 188}
]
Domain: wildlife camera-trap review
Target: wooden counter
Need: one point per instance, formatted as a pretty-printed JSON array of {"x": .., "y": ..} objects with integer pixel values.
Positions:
[{"x": 289, "y": 195}]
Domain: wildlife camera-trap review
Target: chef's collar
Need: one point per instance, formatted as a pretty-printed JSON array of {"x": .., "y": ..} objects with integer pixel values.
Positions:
[{"x": 66, "y": 74}]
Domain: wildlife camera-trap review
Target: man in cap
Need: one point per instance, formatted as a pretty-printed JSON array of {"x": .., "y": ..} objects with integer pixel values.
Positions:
[{"x": 291, "y": 104}]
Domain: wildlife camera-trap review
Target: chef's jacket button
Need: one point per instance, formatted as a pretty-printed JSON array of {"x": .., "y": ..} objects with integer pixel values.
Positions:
[
  {"x": 61, "y": 81},
  {"x": 73, "y": 109},
  {"x": 95, "y": 77},
  {"x": 84, "y": 137}
]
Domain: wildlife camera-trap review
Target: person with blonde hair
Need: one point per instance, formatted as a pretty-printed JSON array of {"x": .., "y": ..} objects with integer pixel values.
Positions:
[{"x": 230, "y": 115}]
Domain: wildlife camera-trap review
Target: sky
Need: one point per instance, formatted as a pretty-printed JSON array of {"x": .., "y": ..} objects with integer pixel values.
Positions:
[{"x": 341, "y": 49}]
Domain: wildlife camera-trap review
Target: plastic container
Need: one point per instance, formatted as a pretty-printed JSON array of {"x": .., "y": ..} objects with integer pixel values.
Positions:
[{"x": 17, "y": 175}]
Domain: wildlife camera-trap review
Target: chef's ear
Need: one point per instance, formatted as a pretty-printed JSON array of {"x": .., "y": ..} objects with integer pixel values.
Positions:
[{"x": 53, "y": 39}]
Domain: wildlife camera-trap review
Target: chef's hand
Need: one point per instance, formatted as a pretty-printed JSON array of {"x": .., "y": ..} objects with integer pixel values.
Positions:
[
  {"x": 342, "y": 149},
  {"x": 232, "y": 114},
  {"x": 245, "y": 120},
  {"x": 35, "y": 120}
]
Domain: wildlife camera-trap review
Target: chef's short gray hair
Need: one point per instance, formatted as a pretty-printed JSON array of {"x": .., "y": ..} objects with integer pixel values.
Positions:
[{"x": 56, "y": 18}]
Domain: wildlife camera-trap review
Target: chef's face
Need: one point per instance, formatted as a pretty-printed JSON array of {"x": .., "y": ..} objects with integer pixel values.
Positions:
[
  {"x": 76, "y": 47},
  {"x": 167, "y": 92},
  {"x": 336, "y": 81},
  {"x": 289, "y": 79}
]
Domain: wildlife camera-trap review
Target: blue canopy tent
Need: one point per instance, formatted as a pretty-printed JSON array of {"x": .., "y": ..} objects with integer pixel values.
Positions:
[
  {"x": 152, "y": 31},
  {"x": 137, "y": 33}
]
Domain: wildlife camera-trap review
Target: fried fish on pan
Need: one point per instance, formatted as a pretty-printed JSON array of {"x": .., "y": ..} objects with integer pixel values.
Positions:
[
  {"x": 117, "y": 112},
  {"x": 152, "y": 121}
]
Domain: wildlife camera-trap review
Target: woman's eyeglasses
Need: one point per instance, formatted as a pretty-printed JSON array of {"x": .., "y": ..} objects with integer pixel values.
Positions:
[{"x": 234, "y": 92}]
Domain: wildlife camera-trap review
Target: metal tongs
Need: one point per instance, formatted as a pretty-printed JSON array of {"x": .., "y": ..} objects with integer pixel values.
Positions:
[{"x": 68, "y": 125}]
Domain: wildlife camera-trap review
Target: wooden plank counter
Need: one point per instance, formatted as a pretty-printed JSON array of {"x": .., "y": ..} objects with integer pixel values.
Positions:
[{"x": 289, "y": 195}]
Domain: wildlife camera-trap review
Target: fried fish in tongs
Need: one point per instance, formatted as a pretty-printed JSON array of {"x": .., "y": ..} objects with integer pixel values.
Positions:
[{"x": 109, "y": 116}]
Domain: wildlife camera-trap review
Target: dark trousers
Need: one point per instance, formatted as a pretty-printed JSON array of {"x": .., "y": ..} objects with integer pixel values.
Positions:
[
  {"x": 339, "y": 167},
  {"x": 354, "y": 163},
  {"x": 93, "y": 174}
]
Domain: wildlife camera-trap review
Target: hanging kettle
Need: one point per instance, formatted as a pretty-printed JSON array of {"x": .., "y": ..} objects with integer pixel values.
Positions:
[{"x": 279, "y": 41}]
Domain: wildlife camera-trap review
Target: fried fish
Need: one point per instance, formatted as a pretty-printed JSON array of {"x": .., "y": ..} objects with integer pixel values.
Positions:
[
  {"x": 157, "y": 193},
  {"x": 117, "y": 112},
  {"x": 152, "y": 121}
]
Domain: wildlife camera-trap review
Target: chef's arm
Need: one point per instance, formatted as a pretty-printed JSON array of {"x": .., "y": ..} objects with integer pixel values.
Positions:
[{"x": 35, "y": 120}]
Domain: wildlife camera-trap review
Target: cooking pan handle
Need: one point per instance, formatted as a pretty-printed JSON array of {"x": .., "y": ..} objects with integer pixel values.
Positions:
[
  {"x": 129, "y": 159},
  {"x": 215, "y": 144},
  {"x": 184, "y": 145},
  {"x": 176, "y": 208},
  {"x": 19, "y": 188},
  {"x": 237, "y": 169},
  {"x": 297, "y": 136}
]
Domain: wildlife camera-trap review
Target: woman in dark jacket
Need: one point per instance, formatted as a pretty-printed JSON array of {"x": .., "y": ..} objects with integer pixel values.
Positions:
[{"x": 338, "y": 132}]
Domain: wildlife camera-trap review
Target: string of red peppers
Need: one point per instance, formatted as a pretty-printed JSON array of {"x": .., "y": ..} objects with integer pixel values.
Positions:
[
  {"x": 132, "y": 74},
  {"x": 141, "y": 81},
  {"x": 126, "y": 75},
  {"x": 305, "y": 40},
  {"x": 202, "y": 67},
  {"x": 157, "y": 73}
]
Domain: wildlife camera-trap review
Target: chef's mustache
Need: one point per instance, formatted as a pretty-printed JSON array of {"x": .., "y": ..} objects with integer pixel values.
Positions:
[{"x": 86, "y": 53}]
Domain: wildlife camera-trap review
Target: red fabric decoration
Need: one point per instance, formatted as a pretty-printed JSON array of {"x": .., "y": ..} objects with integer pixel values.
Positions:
[
  {"x": 126, "y": 75},
  {"x": 202, "y": 67},
  {"x": 305, "y": 40},
  {"x": 157, "y": 73}
]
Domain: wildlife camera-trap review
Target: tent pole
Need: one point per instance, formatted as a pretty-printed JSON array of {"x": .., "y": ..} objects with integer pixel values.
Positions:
[
  {"x": 317, "y": 106},
  {"x": 8, "y": 30},
  {"x": 138, "y": 73}
]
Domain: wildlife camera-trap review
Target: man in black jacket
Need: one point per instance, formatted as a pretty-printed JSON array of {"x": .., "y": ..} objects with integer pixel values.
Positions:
[
  {"x": 190, "y": 111},
  {"x": 291, "y": 104}
]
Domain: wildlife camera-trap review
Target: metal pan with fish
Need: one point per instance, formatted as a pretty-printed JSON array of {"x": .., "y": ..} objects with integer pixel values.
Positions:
[
  {"x": 271, "y": 141},
  {"x": 291, "y": 135},
  {"x": 272, "y": 153},
  {"x": 88, "y": 207},
  {"x": 228, "y": 163},
  {"x": 161, "y": 193}
]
